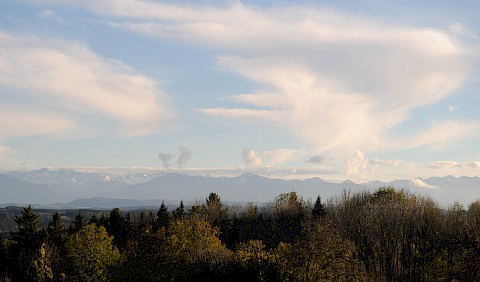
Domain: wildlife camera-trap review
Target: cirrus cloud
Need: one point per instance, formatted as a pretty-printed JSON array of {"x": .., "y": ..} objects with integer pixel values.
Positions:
[
  {"x": 61, "y": 89},
  {"x": 318, "y": 71}
]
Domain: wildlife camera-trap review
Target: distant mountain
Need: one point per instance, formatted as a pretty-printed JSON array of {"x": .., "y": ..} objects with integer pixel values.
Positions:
[
  {"x": 106, "y": 203},
  {"x": 17, "y": 191},
  {"x": 105, "y": 190},
  {"x": 70, "y": 184},
  {"x": 246, "y": 187}
]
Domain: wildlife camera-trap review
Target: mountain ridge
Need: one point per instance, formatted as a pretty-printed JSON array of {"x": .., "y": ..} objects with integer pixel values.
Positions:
[{"x": 247, "y": 187}]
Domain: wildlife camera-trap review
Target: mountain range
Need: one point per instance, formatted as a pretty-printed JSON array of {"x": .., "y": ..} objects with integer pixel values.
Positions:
[{"x": 101, "y": 190}]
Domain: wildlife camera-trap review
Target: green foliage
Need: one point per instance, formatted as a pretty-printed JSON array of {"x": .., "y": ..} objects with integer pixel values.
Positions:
[
  {"x": 43, "y": 265},
  {"x": 91, "y": 252},
  {"x": 321, "y": 254},
  {"x": 385, "y": 235},
  {"x": 258, "y": 264}
]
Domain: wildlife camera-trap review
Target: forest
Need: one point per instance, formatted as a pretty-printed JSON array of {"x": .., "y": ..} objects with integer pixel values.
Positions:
[{"x": 382, "y": 235}]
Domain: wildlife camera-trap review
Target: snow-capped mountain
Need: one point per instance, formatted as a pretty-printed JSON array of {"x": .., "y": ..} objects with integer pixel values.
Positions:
[{"x": 67, "y": 185}]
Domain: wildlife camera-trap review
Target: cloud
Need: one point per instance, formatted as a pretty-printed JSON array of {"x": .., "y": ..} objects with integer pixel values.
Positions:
[
  {"x": 361, "y": 166},
  {"x": 461, "y": 30},
  {"x": 356, "y": 163},
  {"x": 166, "y": 158},
  {"x": 393, "y": 163},
  {"x": 452, "y": 109},
  {"x": 48, "y": 14},
  {"x": 473, "y": 165},
  {"x": 317, "y": 70},
  {"x": 418, "y": 182},
  {"x": 184, "y": 155},
  {"x": 62, "y": 89},
  {"x": 280, "y": 156},
  {"x": 439, "y": 134},
  {"x": 375, "y": 163},
  {"x": 7, "y": 157},
  {"x": 251, "y": 157},
  {"x": 445, "y": 165},
  {"x": 319, "y": 159}
]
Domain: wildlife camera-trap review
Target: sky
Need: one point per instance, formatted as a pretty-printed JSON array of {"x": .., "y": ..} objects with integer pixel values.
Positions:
[{"x": 361, "y": 90}]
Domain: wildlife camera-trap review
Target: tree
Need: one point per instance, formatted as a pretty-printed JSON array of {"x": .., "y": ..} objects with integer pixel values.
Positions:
[
  {"x": 43, "y": 264},
  {"x": 91, "y": 252},
  {"x": 77, "y": 223},
  {"x": 26, "y": 242},
  {"x": 117, "y": 227},
  {"x": 163, "y": 217},
  {"x": 258, "y": 264},
  {"x": 179, "y": 212},
  {"x": 56, "y": 231},
  {"x": 27, "y": 236},
  {"x": 321, "y": 254},
  {"x": 318, "y": 209}
]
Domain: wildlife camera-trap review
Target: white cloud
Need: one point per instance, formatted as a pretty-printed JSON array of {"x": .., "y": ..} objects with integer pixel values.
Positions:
[
  {"x": 251, "y": 157},
  {"x": 48, "y": 14},
  {"x": 461, "y": 30},
  {"x": 452, "y": 109},
  {"x": 339, "y": 82},
  {"x": 375, "y": 163},
  {"x": 473, "y": 165},
  {"x": 438, "y": 134},
  {"x": 54, "y": 87},
  {"x": 279, "y": 156},
  {"x": 445, "y": 165},
  {"x": 418, "y": 182},
  {"x": 356, "y": 164}
]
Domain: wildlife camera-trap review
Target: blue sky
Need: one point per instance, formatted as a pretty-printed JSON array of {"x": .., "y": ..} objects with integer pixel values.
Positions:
[{"x": 336, "y": 89}]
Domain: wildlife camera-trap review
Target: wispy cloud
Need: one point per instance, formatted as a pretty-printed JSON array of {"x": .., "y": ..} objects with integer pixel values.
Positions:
[
  {"x": 445, "y": 165},
  {"x": 61, "y": 88},
  {"x": 319, "y": 159},
  {"x": 317, "y": 70}
]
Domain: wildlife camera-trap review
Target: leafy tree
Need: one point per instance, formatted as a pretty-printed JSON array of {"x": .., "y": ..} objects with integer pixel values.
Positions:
[
  {"x": 43, "y": 265},
  {"x": 91, "y": 252},
  {"x": 287, "y": 213},
  {"x": 258, "y": 264},
  {"x": 321, "y": 254}
]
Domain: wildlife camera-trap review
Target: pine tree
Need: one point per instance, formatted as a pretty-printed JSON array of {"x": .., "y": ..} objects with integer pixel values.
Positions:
[
  {"x": 27, "y": 237},
  {"x": 179, "y": 212},
  {"x": 319, "y": 209},
  {"x": 26, "y": 243},
  {"x": 77, "y": 223},
  {"x": 163, "y": 217},
  {"x": 56, "y": 231}
]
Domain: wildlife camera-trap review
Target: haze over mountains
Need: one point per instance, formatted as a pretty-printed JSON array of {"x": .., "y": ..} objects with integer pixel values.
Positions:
[{"x": 104, "y": 190}]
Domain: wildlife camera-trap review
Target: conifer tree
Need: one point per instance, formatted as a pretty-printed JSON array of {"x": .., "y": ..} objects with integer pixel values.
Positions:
[
  {"x": 319, "y": 209},
  {"x": 179, "y": 212},
  {"x": 163, "y": 217}
]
